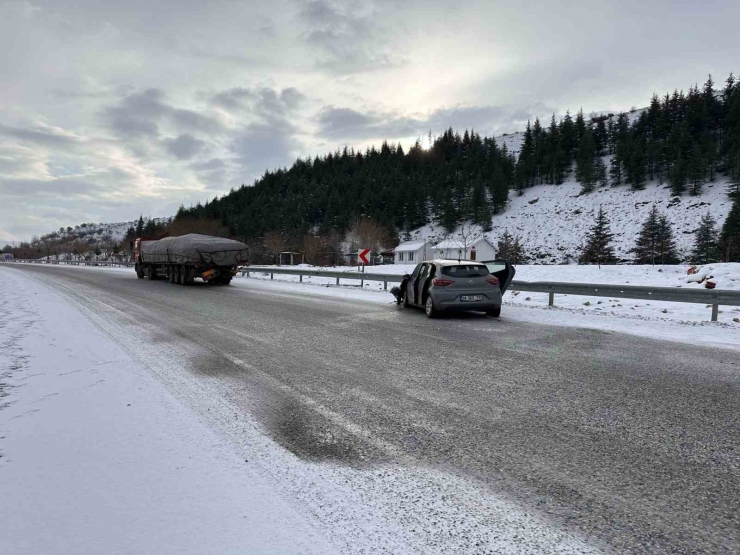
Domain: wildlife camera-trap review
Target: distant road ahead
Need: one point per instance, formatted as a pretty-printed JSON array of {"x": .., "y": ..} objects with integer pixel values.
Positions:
[{"x": 633, "y": 443}]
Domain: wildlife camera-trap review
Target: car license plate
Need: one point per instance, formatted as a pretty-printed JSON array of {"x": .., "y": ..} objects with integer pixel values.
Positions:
[{"x": 472, "y": 298}]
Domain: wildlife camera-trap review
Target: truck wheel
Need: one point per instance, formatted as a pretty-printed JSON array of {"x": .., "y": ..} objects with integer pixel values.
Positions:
[
  {"x": 170, "y": 274},
  {"x": 181, "y": 274},
  {"x": 495, "y": 312},
  {"x": 139, "y": 273}
]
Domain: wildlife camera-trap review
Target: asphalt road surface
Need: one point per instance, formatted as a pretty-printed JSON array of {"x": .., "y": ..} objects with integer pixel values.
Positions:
[{"x": 633, "y": 443}]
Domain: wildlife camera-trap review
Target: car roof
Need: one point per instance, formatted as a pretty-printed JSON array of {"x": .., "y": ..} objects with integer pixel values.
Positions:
[{"x": 445, "y": 262}]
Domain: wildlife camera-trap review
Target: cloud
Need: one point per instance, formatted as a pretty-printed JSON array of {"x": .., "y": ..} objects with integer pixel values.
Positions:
[
  {"x": 184, "y": 147},
  {"x": 213, "y": 172},
  {"x": 347, "y": 37},
  {"x": 193, "y": 121},
  {"x": 266, "y": 146},
  {"x": 137, "y": 114},
  {"x": 141, "y": 114},
  {"x": 348, "y": 124},
  {"x": 40, "y": 135},
  {"x": 233, "y": 99},
  {"x": 60, "y": 188},
  {"x": 263, "y": 101}
]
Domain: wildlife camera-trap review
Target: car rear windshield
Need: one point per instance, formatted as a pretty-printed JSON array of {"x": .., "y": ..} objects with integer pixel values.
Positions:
[{"x": 465, "y": 270}]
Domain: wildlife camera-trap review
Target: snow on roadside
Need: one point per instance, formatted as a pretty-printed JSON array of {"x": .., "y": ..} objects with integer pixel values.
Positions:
[{"x": 95, "y": 456}]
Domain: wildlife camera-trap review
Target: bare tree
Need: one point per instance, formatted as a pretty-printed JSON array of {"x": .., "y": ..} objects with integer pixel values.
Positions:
[
  {"x": 365, "y": 232},
  {"x": 274, "y": 242},
  {"x": 313, "y": 248},
  {"x": 465, "y": 235},
  {"x": 333, "y": 245}
]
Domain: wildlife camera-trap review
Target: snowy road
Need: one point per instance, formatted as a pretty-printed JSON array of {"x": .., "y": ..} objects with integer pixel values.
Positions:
[{"x": 464, "y": 434}]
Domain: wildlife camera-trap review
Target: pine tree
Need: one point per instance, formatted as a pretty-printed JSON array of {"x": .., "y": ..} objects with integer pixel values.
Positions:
[
  {"x": 600, "y": 172},
  {"x": 598, "y": 248},
  {"x": 518, "y": 253},
  {"x": 615, "y": 170},
  {"x": 511, "y": 249},
  {"x": 647, "y": 241},
  {"x": 504, "y": 246},
  {"x": 729, "y": 242},
  {"x": 696, "y": 170},
  {"x": 150, "y": 229},
  {"x": 140, "y": 227},
  {"x": 733, "y": 187},
  {"x": 655, "y": 244},
  {"x": 667, "y": 252},
  {"x": 585, "y": 161},
  {"x": 705, "y": 241}
]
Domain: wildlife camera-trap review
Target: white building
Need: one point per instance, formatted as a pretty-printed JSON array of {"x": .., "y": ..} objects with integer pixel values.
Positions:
[
  {"x": 412, "y": 252},
  {"x": 479, "y": 248}
]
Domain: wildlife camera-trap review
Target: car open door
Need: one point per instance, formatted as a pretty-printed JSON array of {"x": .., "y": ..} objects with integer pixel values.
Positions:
[
  {"x": 411, "y": 285},
  {"x": 503, "y": 270},
  {"x": 421, "y": 282}
]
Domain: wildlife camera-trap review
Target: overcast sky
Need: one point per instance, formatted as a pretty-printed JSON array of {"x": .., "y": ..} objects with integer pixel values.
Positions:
[{"x": 111, "y": 109}]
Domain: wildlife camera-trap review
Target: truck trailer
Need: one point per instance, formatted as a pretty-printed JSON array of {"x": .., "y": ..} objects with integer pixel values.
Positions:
[{"x": 182, "y": 259}]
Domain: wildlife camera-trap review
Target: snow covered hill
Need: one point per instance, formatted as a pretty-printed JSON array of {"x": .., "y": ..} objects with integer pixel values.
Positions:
[
  {"x": 91, "y": 232},
  {"x": 552, "y": 220}
]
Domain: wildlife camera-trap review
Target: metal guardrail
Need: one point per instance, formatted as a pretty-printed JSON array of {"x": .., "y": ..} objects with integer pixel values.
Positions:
[
  {"x": 71, "y": 262},
  {"x": 713, "y": 297}
]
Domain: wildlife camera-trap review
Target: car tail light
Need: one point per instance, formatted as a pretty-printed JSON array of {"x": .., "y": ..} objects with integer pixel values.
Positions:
[
  {"x": 493, "y": 281},
  {"x": 439, "y": 282}
]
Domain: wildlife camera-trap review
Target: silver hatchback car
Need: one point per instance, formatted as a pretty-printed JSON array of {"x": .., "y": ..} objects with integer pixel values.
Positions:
[{"x": 448, "y": 285}]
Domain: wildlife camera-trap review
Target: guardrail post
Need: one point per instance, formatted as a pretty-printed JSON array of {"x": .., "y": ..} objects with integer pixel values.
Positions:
[
  {"x": 385, "y": 286},
  {"x": 272, "y": 276},
  {"x": 300, "y": 278},
  {"x": 551, "y": 299},
  {"x": 715, "y": 312},
  {"x": 337, "y": 281}
]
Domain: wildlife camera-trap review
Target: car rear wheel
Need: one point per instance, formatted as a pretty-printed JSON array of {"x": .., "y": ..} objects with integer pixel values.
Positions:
[
  {"x": 429, "y": 309},
  {"x": 495, "y": 311}
]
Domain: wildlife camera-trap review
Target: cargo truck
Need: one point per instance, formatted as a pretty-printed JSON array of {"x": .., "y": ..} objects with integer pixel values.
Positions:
[{"x": 182, "y": 259}]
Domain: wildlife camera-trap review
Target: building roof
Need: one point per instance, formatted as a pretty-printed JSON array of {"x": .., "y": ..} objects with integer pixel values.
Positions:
[
  {"x": 455, "y": 243},
  {"x": 410, "y": 246}
]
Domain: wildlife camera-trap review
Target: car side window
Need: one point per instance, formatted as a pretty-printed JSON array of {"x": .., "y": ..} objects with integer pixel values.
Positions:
[
  {"x": 416, "y": 271},
  {"x": 424, "y": 271}
]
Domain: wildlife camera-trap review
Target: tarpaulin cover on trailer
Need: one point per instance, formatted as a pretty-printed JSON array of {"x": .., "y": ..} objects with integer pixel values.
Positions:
[{"x": 192, "y": 248}]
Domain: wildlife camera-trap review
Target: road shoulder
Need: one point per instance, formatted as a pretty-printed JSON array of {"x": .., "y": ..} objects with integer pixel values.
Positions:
[{"x": 95, "y": 455}]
